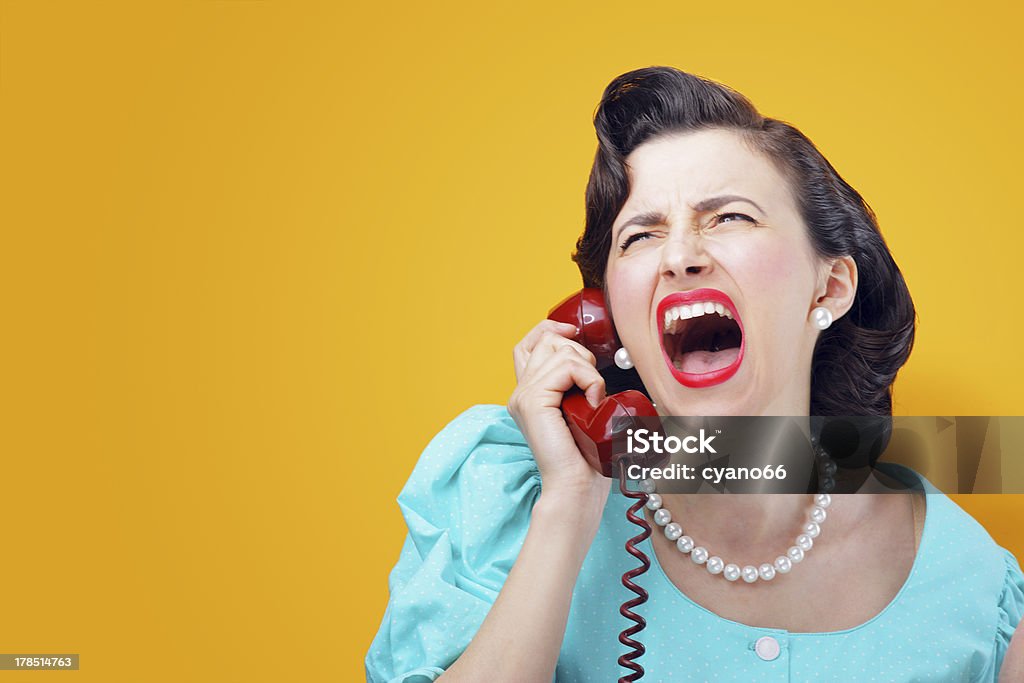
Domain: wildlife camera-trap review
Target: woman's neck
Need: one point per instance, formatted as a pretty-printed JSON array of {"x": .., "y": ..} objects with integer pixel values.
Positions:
[
  {"x": 736, "y": 524},
  {"x": 748, "y": 528}
]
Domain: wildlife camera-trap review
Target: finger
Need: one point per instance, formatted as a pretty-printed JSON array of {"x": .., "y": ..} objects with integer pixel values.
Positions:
[
  {"x": 519, "y": 360},
  {"x": 545, "y": 327},
  {"x": 521, "y": 352},
  {"x": 552, "y": 345},
  {"x": 564, "y": 370},
  {"x": 595, "y": 392},
  {"x": 555, "y": 343}
]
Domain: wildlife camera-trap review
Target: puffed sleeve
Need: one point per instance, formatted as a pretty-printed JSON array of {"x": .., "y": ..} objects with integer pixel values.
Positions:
[
  {"x": 1010, "y": 611},
  {"x": 467, "y": 506}
]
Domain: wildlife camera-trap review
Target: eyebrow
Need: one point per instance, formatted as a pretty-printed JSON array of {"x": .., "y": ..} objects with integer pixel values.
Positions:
[{"x": 652, "y": 218}]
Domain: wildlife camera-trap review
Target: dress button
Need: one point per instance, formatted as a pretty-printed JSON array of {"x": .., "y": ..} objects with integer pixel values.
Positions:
[{"x": 767, "y": 648}]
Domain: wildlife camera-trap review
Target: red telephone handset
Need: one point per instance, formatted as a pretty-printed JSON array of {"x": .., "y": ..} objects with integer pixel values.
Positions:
[{"x": 594, "y": 429}]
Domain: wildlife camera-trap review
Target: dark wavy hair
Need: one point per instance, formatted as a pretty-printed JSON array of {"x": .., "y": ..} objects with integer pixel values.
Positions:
[{"x": 856, "y": 360}]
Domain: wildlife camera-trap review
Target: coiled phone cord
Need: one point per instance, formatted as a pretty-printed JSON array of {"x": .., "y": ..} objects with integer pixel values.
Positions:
[{"x": 626, "y": 637}]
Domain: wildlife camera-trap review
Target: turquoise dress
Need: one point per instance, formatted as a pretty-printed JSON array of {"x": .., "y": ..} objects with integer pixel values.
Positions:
[{"x": 467, "y": 506}]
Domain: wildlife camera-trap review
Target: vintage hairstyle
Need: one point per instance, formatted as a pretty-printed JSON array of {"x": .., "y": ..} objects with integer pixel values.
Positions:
[{"x": 855, "y": 360}]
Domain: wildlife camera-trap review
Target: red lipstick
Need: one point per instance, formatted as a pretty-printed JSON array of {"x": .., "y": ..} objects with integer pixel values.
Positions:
[{"x": 703, "y": 295}]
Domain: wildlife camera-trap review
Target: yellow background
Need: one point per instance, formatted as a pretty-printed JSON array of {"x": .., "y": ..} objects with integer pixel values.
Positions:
[{"x": 255, "y": 254}]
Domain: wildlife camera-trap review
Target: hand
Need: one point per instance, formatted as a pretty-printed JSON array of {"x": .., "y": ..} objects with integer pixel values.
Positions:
[{"x": 548, "y": 363}]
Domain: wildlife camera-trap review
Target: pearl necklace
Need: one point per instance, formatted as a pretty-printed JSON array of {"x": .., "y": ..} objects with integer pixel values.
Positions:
[{"x": 767, "y": 571}]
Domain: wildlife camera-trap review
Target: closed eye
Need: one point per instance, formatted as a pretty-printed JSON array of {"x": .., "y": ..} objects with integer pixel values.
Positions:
[
  {"x": 721, "y": 217},
  {"x": 635, "y": 237}
]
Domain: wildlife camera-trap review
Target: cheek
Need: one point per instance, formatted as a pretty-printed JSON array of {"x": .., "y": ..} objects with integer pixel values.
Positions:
[
  {"x": 772, "y": 267},
  {"x": 626, "y": 283},
  {"x": 777, "y": 283},
  {"x": 765, "y": 266},
  {"x": 630, "y": 290}
]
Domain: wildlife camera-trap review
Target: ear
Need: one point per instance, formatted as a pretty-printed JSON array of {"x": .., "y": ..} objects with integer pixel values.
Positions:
[{"x": 838, "y": 287}]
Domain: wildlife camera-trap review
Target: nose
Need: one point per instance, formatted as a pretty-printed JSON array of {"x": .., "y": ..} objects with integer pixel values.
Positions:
[{"x": 684, "y": 256}]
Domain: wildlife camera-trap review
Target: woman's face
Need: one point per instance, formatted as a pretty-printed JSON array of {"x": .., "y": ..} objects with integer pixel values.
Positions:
[{"x": 712, "y": 279}]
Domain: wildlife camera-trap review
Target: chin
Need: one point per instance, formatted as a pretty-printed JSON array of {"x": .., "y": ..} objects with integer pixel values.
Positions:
[{"x": 726, "y": 399}]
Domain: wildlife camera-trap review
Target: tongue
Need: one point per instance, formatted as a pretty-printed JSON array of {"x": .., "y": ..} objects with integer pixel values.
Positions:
[{"x": 699, "y": 362}]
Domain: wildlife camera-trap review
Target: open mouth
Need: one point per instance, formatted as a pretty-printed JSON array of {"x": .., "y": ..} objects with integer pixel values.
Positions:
[{"x": 702, "y": 336}]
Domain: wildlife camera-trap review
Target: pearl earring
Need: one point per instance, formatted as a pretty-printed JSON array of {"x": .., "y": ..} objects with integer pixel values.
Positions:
[
  {"x": 822, "y": 317},
  {"x": 622, "y": 359}
]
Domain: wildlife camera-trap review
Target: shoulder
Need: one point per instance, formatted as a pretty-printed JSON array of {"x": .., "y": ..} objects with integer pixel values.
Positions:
[
  {"x": 467, "y": 506},
  {"x": 965, "y": 590},
  {"x": 482, "y": 440},
  {"x": 979, "y": 580},
  {"x": 958, "y": 545},
  {"x": 949, "y": 530},
  {"x": 957, "y": 557},
  {"x": 480, "y": 424},
  {"x": 991, "y": 568},
  {"x": 474, "y": 486}
]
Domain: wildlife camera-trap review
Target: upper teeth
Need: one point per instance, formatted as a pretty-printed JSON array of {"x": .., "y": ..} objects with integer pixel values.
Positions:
[{"x": 676, "y": 313}]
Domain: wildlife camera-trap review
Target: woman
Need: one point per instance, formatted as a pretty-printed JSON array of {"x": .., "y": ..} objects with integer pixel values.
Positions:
[{"x": 511, "y": 567}]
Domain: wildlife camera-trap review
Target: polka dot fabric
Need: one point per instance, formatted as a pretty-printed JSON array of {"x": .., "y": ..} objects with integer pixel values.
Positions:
[{"x": 467, "y": 506}]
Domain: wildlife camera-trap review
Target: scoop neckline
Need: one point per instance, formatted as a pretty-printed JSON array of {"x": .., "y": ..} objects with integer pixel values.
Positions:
[{"x": 909, "y": 477}]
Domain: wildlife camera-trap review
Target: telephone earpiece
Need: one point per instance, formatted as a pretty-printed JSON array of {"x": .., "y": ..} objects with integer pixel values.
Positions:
[
  {"x": 586, "y": 310},
  {"x": 595, "y": 429}
]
